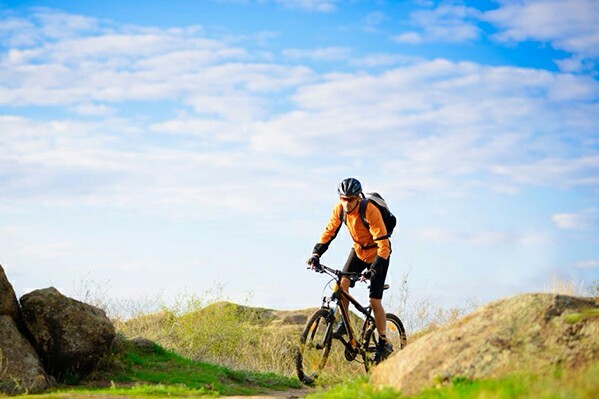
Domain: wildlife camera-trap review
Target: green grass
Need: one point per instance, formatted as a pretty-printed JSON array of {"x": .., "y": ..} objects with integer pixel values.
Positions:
[
  {"x": 574, "y": 318},
  {"x": 559, "y": 385},
  {"x": 156, "y": 372},
  {"x": 357, "y": 388}
]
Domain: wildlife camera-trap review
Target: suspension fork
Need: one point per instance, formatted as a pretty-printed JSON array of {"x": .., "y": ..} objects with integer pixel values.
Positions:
[
  {"x": 330, "y": 321},
  {"x": 352, "y": 342}
]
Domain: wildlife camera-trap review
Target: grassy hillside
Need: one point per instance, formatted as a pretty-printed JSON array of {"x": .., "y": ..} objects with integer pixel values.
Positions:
[
  {"x": 236, "y": 336},
  {"x": 148, "y": 370},
  {"x": 239, "y": 337},
  {"x": 221, "y": 349}
]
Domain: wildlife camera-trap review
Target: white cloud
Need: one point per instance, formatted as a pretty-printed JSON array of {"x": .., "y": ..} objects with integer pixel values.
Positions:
[
  {"x": 94, "y": 109},
  {"x": 586, "y": 219},
  {"x": 373, "y": 20},
  {"x": 234, "y": 106},
  {"x": 384, "y": 60},
  {"x": 443, "y": 122},
  {"x": 439, "y": 126},
  {"x": 309, "y": 5},
  {"x": 212, "y": 122},
  {"x": 56, "y": 25},
  {"x": 112, "y": 64},
  {"x": 9, "y": 230},
  {"x": 409, "y": 38},
  {"x": 195, "y": 126},
  {"x": 49, "y": 250},
  {"x": 556, "y": 172},
  {"x": 569, "y": 25},
  {"x": 587, "y": 264},
  {"x": 484, "y": 238},
  {"x": 17, "y": 32},
  {"x": 324, "y": 6},
  {"x": 445, "y": 23},
  {"x": 320, "y": 54}
]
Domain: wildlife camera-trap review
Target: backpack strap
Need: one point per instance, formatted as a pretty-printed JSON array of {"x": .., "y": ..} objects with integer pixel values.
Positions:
[{"x": 362, "y": 212}]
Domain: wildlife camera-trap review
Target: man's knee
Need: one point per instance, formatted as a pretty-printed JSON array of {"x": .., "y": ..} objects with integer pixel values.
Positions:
[
  {"x": 375, "y": 303},
  {"x": 345, "y": 283}
]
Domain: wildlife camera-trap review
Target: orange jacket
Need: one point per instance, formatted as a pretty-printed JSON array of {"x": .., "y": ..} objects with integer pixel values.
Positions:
[{"x": 365, "y": 245}]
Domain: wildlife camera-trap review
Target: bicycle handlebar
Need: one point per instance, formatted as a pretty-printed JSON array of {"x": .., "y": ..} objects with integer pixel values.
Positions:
[{"x": 320, "y": 268}]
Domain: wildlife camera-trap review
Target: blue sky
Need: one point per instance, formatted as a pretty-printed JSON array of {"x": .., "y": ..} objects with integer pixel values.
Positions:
[{"x": 160, "y": 149}]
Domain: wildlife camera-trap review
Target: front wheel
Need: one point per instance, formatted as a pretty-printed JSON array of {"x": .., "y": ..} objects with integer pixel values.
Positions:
[
  {"x": 315, "y": 344},
  {"x": 396, "y": 335}
]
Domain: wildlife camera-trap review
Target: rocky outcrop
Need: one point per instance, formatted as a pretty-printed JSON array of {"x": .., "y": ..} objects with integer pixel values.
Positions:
[
  {"x": 20, "y": 367},
  {"x": 48, "y": 334},
  {"x": 9, "y": 306},
  {"x": 530, "y": 333},
  {"x": 69, "y": 335}
]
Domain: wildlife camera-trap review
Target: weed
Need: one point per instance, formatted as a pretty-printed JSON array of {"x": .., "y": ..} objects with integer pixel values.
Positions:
[{"x": 564, "y": 286}]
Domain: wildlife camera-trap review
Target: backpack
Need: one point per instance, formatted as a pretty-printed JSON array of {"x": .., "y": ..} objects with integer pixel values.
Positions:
[{"x": 377, "y": 200}]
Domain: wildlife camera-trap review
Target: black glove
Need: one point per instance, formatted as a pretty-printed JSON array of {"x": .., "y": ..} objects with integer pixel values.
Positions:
[
  {"x": 369, "y": 274},
  {"x": 314, "y": 260}
]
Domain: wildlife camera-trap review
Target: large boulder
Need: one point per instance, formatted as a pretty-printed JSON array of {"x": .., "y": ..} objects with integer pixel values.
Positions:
[
  {"x": 522, "y": 333},
  {"x": 9, "y": 306},
  {"x": 69, "y": 335},
  {"x": 20, "y": 367}
]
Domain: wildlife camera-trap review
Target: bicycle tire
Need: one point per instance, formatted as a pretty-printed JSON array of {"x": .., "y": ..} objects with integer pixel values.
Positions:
[
  {"x": 396, "y": 334},
  {"x": 315, "y": 344}
]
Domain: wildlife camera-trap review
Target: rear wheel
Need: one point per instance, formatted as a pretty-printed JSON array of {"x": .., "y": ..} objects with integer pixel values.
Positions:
[
  {"x": 396, "y": 335},
  {"x": 315, "y": 344}
]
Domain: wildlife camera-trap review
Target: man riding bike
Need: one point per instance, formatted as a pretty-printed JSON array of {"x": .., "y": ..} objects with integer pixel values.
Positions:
[{"x": 371, "y": 250}]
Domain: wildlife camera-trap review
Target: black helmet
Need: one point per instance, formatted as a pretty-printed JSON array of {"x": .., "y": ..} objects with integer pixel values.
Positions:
[{"x": 349, "y": 187}]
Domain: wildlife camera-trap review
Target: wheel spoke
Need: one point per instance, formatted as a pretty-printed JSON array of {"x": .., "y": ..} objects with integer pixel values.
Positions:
[{"x": 314, "y": 347}]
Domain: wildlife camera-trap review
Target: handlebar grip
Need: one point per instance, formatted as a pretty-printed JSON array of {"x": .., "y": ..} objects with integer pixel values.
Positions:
[{"x": 317, "y": 268}]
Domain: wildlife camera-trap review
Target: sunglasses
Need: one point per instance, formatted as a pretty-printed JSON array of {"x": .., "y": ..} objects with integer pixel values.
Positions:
[{"x": 348, "y": 199}]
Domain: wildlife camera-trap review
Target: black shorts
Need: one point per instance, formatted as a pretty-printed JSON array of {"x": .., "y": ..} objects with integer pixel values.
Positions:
[{"x": 357, "y": 265}]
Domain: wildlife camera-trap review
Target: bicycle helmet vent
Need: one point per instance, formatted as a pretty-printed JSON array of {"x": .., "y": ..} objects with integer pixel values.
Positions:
[{"x": 349, "y": 187}]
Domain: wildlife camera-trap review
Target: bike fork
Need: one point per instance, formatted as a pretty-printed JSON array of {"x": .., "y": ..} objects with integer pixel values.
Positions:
[{"x": 329, "y": 329}]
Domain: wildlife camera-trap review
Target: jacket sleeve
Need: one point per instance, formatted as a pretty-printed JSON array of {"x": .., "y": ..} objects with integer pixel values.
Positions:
[
  {"x": 330, "y": 231},
  {"x": 377, "y": 230}
]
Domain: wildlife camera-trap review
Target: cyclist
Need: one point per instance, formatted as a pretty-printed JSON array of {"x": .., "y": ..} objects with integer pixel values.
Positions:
[{"x": 371, "y": 250}]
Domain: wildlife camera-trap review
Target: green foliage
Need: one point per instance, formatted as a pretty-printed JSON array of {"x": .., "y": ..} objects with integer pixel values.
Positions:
[
  {"x": 220, "y": 332},
  {"x": 158, "y": 366},
  {"x": 152, "y": 371},
  {"x": 584, "y": 314},
  {"x": 357, "y": 388},
  {"x": 560, "y": 384}
]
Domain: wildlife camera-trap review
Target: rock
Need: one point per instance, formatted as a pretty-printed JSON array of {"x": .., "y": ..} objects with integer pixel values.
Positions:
[
  {"x": 20, "y": 367},
  {"x": 69, "y": 335},
  {"x": 9, "y": 305},
  {"x": 528, "y": 333}
]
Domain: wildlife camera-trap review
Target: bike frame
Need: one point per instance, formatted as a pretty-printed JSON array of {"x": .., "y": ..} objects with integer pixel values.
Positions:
[{"x": 338, "y": 294}]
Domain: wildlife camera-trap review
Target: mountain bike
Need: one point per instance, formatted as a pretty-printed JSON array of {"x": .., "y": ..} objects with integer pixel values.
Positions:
[{"x": 317, "y": 337}]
